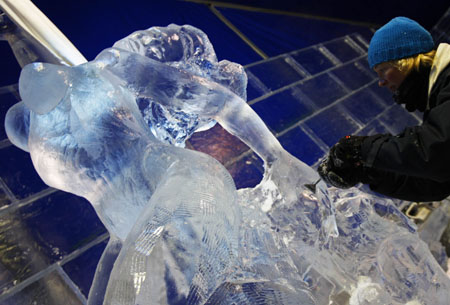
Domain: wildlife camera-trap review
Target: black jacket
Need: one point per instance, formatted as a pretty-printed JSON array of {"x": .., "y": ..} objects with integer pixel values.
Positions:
[{"x": 415, "y": 165}]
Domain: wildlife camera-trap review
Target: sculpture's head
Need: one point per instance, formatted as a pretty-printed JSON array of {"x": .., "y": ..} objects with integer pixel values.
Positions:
[
  {"x": 188, "y": 49},
  {"x": 171, "y": 44},
  {"x": 83, "y": 125}
]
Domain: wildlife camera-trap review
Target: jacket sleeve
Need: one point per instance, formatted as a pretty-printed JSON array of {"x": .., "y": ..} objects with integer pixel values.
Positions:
[
  {"x": 407, "y": 187},
  {"x": 420, "y": 151}
]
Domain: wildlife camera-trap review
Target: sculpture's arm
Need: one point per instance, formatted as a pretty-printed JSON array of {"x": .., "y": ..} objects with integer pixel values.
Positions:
[
  {"x": 171, "y": 87},
  {"x": 239, "y": 119},
  {"x": 190, "y": 93}
]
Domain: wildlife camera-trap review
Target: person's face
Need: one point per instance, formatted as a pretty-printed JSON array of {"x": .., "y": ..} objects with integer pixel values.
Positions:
[{"x": 389, "y": 76}]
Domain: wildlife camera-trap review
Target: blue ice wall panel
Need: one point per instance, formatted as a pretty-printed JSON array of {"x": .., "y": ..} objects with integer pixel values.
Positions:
[
  {"x": 373, "y": 128},
  {"x": 281, "y": 110},
  {"x": 301, "y": 145},
  {"x": 353, "y": 75},
  {"x": 81, "y": 270},
  {"x": 332, "y": 124},
  {"x": 397, "y": 118},
  {"x": 363, "y": 106},
  {"x": 7, "y": 99},
  {"x": 312, "y": 60},
  {"x": 18, "y": 172},
  {"x": 322, "y": 90},
  {"x": 342, "y": 50},
  {"x": 275, "y": 34},
  {"x": 49, "y": 289},
  {"x": 37, "y": 235},
  {"x": 61, "y": 223},
  {"x": 275, "y": 73}
]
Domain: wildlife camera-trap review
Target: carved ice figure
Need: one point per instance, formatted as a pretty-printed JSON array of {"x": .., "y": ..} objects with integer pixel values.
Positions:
[{"x": 180, "y": 232}]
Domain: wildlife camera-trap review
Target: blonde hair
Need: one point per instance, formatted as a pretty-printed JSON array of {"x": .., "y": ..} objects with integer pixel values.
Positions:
[{"x": 406, "y": 65}]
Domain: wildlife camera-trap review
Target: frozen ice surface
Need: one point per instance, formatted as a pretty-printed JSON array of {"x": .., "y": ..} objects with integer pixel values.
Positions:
[
  {"x": 181, "y": 233},
  {"x": 189, "y": 49}
]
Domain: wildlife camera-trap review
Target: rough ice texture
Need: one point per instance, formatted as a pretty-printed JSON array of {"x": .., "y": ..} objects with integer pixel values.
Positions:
[{"x": 180, "y": 231}]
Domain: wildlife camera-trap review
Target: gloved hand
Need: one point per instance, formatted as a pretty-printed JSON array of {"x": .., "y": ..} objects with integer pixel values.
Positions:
[{"x": 343, "y": 167}]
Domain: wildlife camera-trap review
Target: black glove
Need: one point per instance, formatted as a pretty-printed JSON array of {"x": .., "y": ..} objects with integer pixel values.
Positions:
[
  {"x": 343, "y": 167},
  {"x": 333, "y": 176}
]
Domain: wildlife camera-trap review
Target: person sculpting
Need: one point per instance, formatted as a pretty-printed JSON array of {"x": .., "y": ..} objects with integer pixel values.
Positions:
[{"x": 413, "y": 165}]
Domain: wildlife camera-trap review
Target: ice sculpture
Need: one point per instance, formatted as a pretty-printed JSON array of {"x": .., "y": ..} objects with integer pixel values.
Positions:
[{"x": 181, "y": 233}]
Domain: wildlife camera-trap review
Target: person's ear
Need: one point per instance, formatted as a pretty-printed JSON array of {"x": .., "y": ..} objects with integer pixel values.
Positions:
[{"x": 42, "y": 86}]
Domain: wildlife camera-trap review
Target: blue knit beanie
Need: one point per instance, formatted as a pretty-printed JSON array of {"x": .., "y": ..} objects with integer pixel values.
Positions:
[{"x": 399, "y": 38}]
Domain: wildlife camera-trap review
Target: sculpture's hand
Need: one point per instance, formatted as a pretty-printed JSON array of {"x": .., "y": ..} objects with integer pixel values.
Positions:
[{"x": 286, "y": 177}]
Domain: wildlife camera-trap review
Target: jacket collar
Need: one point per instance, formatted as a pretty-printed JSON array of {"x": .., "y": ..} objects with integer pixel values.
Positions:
[{"x": 441, "y": 60}]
